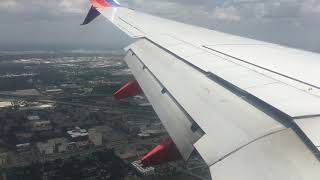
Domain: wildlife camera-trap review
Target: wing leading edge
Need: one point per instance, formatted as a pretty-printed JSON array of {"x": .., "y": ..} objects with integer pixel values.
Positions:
[{"x": 256, "y": 116}]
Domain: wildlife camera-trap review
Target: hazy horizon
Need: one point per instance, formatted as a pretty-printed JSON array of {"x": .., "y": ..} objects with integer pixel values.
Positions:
[{"x": 55, "y": 25}]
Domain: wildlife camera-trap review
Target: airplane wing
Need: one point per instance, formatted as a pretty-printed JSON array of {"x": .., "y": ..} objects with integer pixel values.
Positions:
[{"x": 250, "y": 108}]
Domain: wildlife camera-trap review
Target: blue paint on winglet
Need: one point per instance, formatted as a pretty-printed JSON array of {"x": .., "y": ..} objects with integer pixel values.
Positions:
[{"x": 92, "y": 14}]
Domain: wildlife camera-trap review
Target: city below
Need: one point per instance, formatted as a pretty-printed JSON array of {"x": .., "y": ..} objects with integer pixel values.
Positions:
[{"x": 59, "y": 120}]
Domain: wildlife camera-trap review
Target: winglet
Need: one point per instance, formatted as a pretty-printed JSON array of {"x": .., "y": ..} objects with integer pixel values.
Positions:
[{"x": 94, "y": 13}]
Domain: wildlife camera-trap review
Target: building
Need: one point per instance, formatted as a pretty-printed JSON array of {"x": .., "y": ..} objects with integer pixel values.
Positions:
[
  {"x": 95, "y": 137},
  {"x": 149, "y": 133},
  {"x": 79, "y": 138},
  {"x": 145, "y": 171},
  {"x": 45, "y": 148},
  {"x": 57, "y": 145},
  {"x": 82, "y": 144},
  {"x": 78, "y": 134},
  {"x": 24, "y": 136},
  {"x": 144, "y": 135},
  {"x": 41, "y": 125},
  {"x": 79, "y": 145},
  {"x": 72, "y": 146},
  {"x": 5, "y": 104},
  {"x": 3, "y": 159},
  {"x": 131, "y": 126},
  {"x": 37, "y": 107},
  {"x": 33, "y": 118},
  {"x": 23, "y": 147},
  {"x": 51, "y": 92},
  {"x": 55, "y": 91}
]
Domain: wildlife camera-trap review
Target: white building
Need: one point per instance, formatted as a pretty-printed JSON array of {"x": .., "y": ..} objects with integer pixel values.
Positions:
[
  {"x": 38, "y": 107},
  {"x": 4, "y": 104},
  {"x": 33, "y": 118},
  {"x": 23, "y": 147},
  {"x": 78, "y": 132},
  {"x": 145, "y": 171},
  {"x": 54, "y": 90}
]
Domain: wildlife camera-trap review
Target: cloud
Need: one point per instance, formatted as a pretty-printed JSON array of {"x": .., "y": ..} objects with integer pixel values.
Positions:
[
  {"x": 46, "y": 8},
  {"x": 231, "y": 10},
  {"x": 72, "y": 6},
  {"x": 227, "y": 14},
  {"x": 225, "y": 10},
  {"x": 295, "y": 10},
  {"x": 288, "y": 22},
  {"x": 311, "y": 7},
  {"x": 13, "y": 5}
]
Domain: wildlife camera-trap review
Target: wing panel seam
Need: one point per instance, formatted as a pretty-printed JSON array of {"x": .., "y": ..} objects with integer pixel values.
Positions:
[
  {"x": 130, "y": 24},
  {"x": 247, "y": 144},
  {"x": 283, "y": 75}
]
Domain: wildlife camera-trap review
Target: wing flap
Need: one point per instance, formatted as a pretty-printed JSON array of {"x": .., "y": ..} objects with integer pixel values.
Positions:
[
  {"x": 311, "y": 128},
  {"x": 281, "y": 155},
  {"x": 172, "y": 116},
  {"x": 288, "y": 99}
]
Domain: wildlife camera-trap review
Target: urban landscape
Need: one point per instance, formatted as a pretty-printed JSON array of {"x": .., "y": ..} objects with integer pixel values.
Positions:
[{"x": 59, "y": 120}]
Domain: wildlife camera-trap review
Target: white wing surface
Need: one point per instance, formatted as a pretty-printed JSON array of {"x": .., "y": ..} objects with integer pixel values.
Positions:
[{"x": 250, "y": 108}]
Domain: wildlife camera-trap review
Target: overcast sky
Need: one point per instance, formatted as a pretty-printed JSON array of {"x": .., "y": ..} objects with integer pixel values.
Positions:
[{"x": 55, "y": 23}]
